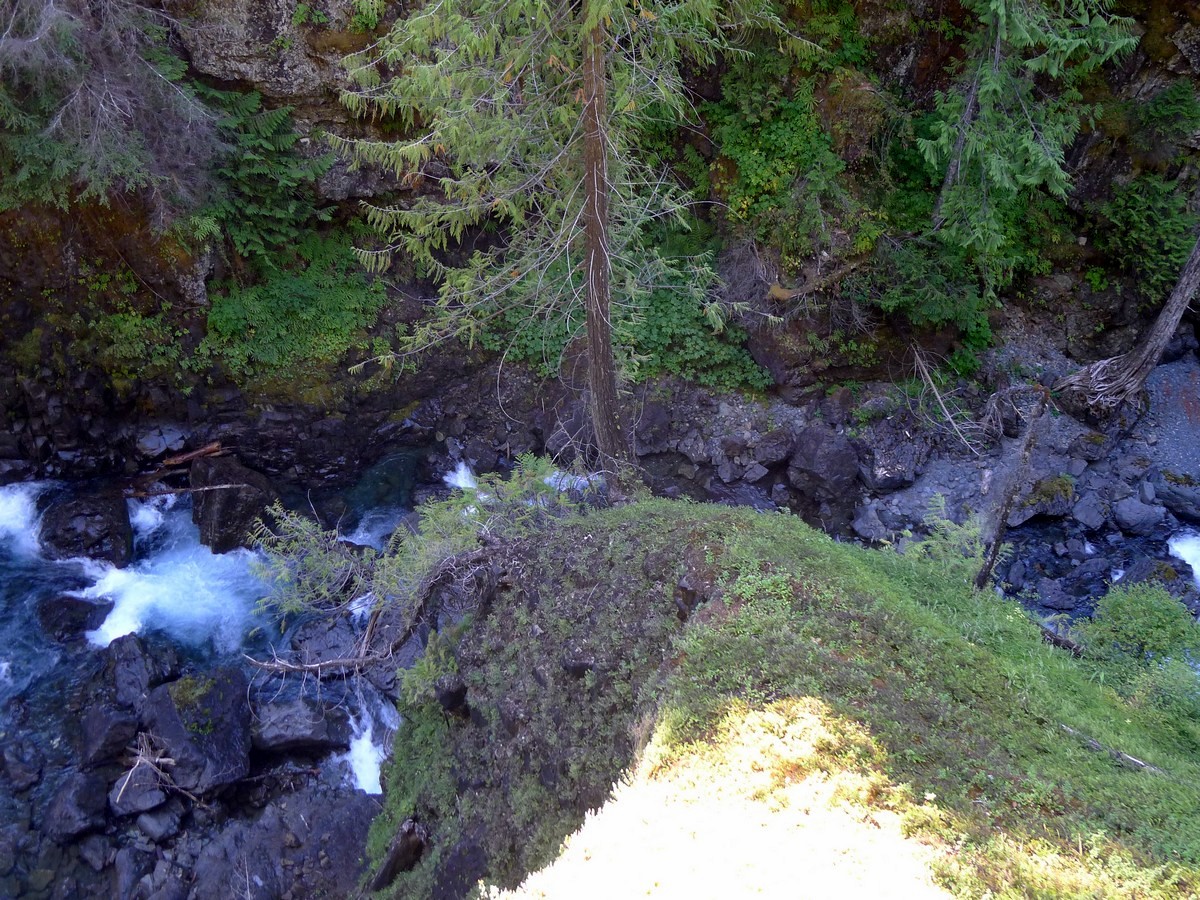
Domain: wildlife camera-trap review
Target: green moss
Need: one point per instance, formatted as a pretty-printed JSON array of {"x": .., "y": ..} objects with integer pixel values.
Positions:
[
  {"x": 1060, "y": 488},
  {"x": 191, "y": 694},
  {"x": 581, "y": 655}
]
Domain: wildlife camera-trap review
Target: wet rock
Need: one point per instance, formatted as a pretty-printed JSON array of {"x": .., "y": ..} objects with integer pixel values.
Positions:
[
  {"x": 1089, "y": 511},
  {"x": 95, "y": 851},
  {"x": 78, "y": 806},
  {"x": 94, "y": 524},
  {"x": 322, "y": 640},
  {"x": 302, "y": 724},
  {"x": 1052, "y": 596},
  {"x": 106, "y": 733},
  {"x": 203, "y": 722},
  {"x": 137, "y": 791},
  {"x": 1135, "y": 517},
  {"x": 134, "y": 668},
  {"x": 226, "y": 516},
  {"x": 22, "y": 764},
  {"x": 310, "y": 840},
  {"x": 65, "y": 618},
  {"x": 128, "y": 868}
]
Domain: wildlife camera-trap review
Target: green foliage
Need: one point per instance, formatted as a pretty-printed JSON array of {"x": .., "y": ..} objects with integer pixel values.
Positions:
[
  {"x": 267, "y": 200},
  {"x": 1166, "y": 118},
  {"x": 777, "y": 171},
  {"x": 1148, "y": 232},
  {"x": 307, "y": 568},
  {"x": 92, "y": 102},
  {"x": 490, "y": 89},
  {"x": 676, "y": 329},
  {"x": 313, "y": 308},
  {"x": 1140, "y": 623},
  {"x": 365, "y": 14},
  {"x": 418, "y": 684},
  {"x": 308, "y": 15},
  {"x": 929, "y": 283},
  {"x": 1002, "y": 132}
]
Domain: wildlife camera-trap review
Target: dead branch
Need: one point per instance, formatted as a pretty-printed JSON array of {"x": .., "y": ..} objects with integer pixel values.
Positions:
[
  {"x": 188, "y": 490},
  {"x": 213, "y": 449},
  {"x": 1123, "y": 758},
  {"x": 927, "y": 378}
]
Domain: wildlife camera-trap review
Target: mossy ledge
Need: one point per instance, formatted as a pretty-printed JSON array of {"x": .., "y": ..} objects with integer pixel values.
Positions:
[{"x": 656, "y": 630}]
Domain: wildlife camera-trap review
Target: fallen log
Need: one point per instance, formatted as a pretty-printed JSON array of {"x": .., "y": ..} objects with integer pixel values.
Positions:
[{"x": 1124, "y": 759}]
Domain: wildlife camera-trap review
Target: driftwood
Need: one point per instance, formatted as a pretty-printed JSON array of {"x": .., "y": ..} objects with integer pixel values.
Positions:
[
  {"x": 1123, "y": 758},
  {"x": 423, "y": 597},
  {"x": 1108, "y": 384},
  {"x": 188, "y": 490},
  {"x": 1052, "y": 637},
  {"x": 1015, "y": 482},
  {"x": 213, "y": 449}
]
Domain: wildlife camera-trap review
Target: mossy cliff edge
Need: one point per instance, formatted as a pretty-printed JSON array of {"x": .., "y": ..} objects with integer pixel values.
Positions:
[{"x": 669, "y": 633}]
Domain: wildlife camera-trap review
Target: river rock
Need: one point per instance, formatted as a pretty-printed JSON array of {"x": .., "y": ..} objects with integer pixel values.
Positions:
[
  {"x": 65, "y": 618},
  {"x": 824, "y": 471},
  {"x": 203, "y": 722},
  {"x": 93, "y": 524},
  {"x": 78, "y": 806},
  {"x": 137, "y": 791},
  {"x": 867, "y": 524},
  {"x": 1180, "y": 494},
  {"x": 226, "y": 516},
  {"x": 1050, "y": 496},
  {"x": 1135, "y": 517},
  {"x": 774, "y": 447},
  {"x": 163, "y": 823},
  {"x": 302, "y": 724},
  {"x": 1089, "y": 511},
  {"x": 106, "y": 733},
  {"x": 22, "y": 763}
]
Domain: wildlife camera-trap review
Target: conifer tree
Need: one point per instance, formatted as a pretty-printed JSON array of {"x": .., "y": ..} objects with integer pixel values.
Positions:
[
  {"x": 1005, "y": 127},
  {"x": 527, "y": 115}
]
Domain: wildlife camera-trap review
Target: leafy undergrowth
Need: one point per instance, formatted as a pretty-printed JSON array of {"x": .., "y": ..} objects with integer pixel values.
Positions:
[{"x": 847, "y": 682}]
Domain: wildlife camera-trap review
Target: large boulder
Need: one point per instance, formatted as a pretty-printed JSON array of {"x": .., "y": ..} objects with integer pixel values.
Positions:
[
  {"x": 301, "y": 724},
  {"x": 1180, "y": 494},
  {"x": 225, "y": 515},
  {"x": 824, "y": 471},
  {"x": 107, "y": 731},
  {"x": 134, "y": 668},
  {"x": 94, "y": 524},
  {"x": 1135, "y": 517},
  {"x": 203, "y": 722}
]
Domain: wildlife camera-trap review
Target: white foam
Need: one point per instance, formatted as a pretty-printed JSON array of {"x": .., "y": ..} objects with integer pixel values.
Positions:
[
  {"x": 5, "y": 672},
  {"x": 365, "y": 758},
  {"x": 19, "y": 516},
  {"x": 565, "y": 481},
  {"x": 147, "y": 516},
  {"x": 1116, "y": 575},
  {"x": 462, "y": 478},
  {"x": 1186, "y": 546},
  {"x": 183, "y": 589},
  {"x": 376, "y": 527},
  {"x": 1089, "y": 548}
]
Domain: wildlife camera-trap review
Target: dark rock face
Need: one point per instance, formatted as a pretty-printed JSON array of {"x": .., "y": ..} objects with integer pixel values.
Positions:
[
  {"x": 134, "y": 669},
  {"x": 137, "y": 791},
  {"x": 106, "y": 733},
  {"x": 1179, "y": 495},
  {"x": 204, "y": 725},
  {"x": 77, "y": 807},
  {"x": 824, "y": 471},
  {"x": 226, "y": 516},
  {"x": 309, "y": 841},
  {"x": 22, "y": 764},
  {"x": 66, "y": 618},
  {"x": 95, "y": 525},
  {"x": 302, "y": 724}
]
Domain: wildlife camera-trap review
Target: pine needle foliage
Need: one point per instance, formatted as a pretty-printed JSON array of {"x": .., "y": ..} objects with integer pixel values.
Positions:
[
  {"x": 1004, "y": 129},
  {"x": 490, "y": 93}
]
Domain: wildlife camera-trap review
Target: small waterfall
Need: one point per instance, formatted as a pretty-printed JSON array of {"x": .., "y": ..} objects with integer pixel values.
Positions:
[{"x": 1185, "y": 545}]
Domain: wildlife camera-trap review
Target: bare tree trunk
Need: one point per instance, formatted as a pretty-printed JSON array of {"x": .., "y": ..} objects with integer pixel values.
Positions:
[
  {"x": 1107, "y": 384},
  {"x": 611, "y": 439}
]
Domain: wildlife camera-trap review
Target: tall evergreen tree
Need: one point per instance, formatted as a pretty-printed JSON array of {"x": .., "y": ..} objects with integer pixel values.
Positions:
[
  {"x": 1005, "y": 126},
  {"x": 527, "y": 114}
]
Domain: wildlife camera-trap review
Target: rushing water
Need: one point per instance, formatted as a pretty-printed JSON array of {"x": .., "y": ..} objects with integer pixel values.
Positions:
[
  {"x": 204, "y": 603},
  {"x": 1185, "y": 545}
]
